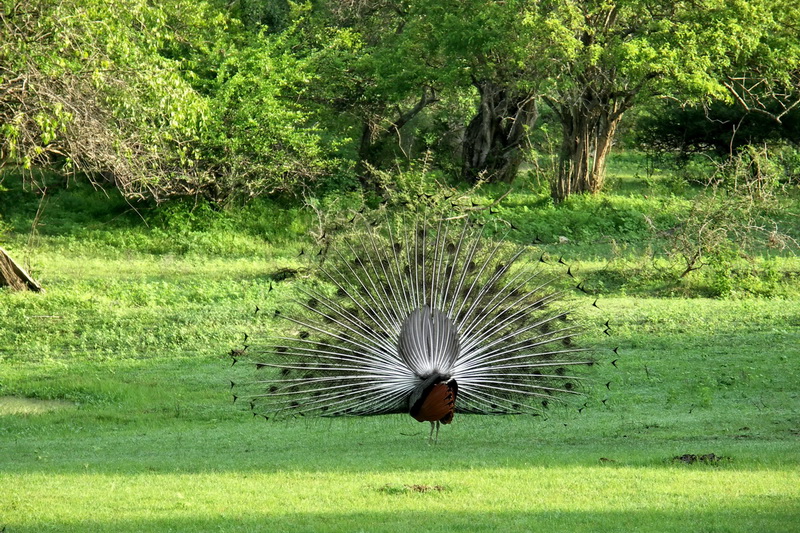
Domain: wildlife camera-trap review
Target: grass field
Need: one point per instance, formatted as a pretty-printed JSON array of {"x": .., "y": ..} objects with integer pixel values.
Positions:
[{"x": 115, "y": 413}]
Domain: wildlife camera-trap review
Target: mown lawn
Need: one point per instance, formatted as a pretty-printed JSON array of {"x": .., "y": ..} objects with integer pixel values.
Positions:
[{"x": 115, "y": 413}]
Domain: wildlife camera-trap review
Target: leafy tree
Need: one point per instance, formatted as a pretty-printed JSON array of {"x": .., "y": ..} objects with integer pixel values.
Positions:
[
  {"x": 423, "y": 54},
  {"x": 493, "y": 47},
  {"x": 247, "y": 98},
  {"x": 589, "y": 61},
  {"x": 165, "y": 98},
  {"x": 84, "y": 85},
  {"x": 607, "y": 56},
  {"x": 386, "y": 80}
]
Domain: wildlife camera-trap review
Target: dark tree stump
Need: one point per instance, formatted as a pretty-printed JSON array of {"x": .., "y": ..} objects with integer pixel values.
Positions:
[{"x": 14, "y": 276}]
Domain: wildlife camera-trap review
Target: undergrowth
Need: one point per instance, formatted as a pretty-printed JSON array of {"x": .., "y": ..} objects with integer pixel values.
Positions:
[{"x": 647, "y": 236}]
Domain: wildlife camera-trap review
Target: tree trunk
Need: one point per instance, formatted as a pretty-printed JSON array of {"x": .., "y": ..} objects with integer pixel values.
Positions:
[
  {"x": 586, "y": 142},
  {"x": 494, "y": 138},
  {"x": 14, "y": 276}
]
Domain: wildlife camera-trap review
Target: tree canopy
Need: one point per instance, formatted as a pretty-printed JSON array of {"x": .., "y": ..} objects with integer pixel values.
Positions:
[{"x": 240, "y": 99}]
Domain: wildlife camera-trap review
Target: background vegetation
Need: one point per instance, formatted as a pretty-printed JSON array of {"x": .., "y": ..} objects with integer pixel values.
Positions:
[
  {"x": 229, "y": 101},
  {"x": 167, "y": 167}
]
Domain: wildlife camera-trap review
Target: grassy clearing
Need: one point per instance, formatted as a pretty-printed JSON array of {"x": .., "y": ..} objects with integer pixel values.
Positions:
[
  {"x": 520, "y": 499},
  {"x": 115, "y": 413}
]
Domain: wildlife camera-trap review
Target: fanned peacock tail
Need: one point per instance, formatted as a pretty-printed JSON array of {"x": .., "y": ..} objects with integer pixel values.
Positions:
[{"x": 420, "y": 317}]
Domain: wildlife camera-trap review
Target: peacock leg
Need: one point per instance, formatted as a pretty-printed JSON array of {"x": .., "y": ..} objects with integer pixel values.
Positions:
[{"x": 431, "y": 438}]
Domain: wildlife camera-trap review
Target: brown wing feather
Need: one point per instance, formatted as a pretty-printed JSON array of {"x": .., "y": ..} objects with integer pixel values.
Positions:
[{"x": 439, "y": 404}]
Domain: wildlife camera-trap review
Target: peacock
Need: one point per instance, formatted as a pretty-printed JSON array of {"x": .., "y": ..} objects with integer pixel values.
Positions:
[{"x": 427, "y": 316}]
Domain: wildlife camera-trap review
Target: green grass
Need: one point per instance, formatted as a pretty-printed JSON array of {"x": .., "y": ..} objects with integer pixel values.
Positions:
[
  {"x": 115, "y": 412},
  {"x": 483, "y": 499}
]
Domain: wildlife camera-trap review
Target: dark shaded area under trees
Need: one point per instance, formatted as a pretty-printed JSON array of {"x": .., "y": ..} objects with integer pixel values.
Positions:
[{"x": 718, "y": 128}]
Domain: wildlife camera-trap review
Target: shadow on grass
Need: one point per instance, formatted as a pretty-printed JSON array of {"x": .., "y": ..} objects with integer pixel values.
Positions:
[
  {"x": 774, "y": 518},
  {"x": 393, "y": 443}
]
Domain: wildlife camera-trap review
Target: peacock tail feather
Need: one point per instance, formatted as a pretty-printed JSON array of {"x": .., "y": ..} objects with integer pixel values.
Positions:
[{"x": 409, "y": 307}]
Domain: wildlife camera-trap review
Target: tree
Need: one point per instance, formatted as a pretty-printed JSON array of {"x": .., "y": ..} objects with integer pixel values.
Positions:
[
  {"x": 421, "y": 55},
  {"x": 386, "y": 82},
  {"x": 84, "y": 86},
  {"x": 158, "y": 98},
  {"x": 485, "y": 51},
  {"x": 589, "y": 61},
  {"x": 611, "y": 54},
  {"x": 496, "y": 46}
]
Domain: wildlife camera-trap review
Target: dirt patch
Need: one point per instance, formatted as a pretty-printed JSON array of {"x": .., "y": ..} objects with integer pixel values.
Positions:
[
  {"x": 15, "y": 405},
  {"x": 400, "y": 489},
  {"x": 708, "y": 458}
]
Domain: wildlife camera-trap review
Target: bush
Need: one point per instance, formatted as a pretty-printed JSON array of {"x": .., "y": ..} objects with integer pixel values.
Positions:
[
  {"x": 735, "y": 217},
  {"x": 87, "y": 89},
  {"x": 717, "y": 128},
  {"x": 159, "y": 99}
]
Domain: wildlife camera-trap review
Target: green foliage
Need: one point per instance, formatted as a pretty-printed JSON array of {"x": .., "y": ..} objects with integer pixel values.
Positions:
[
  {"x": 160, "y": 99},
  {"x": 607, "y": 58},
  {"x": 87, "y": 87},
  {"x": 261, "y": 138},
  {"x": 273, "y": 16},
  {"x": 242, "y": 99}
]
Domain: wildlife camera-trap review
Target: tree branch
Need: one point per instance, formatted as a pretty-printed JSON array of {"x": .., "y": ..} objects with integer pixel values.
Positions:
[
  {"x": 737, "y": 89},
  {"x": 424, "y": 101}
]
